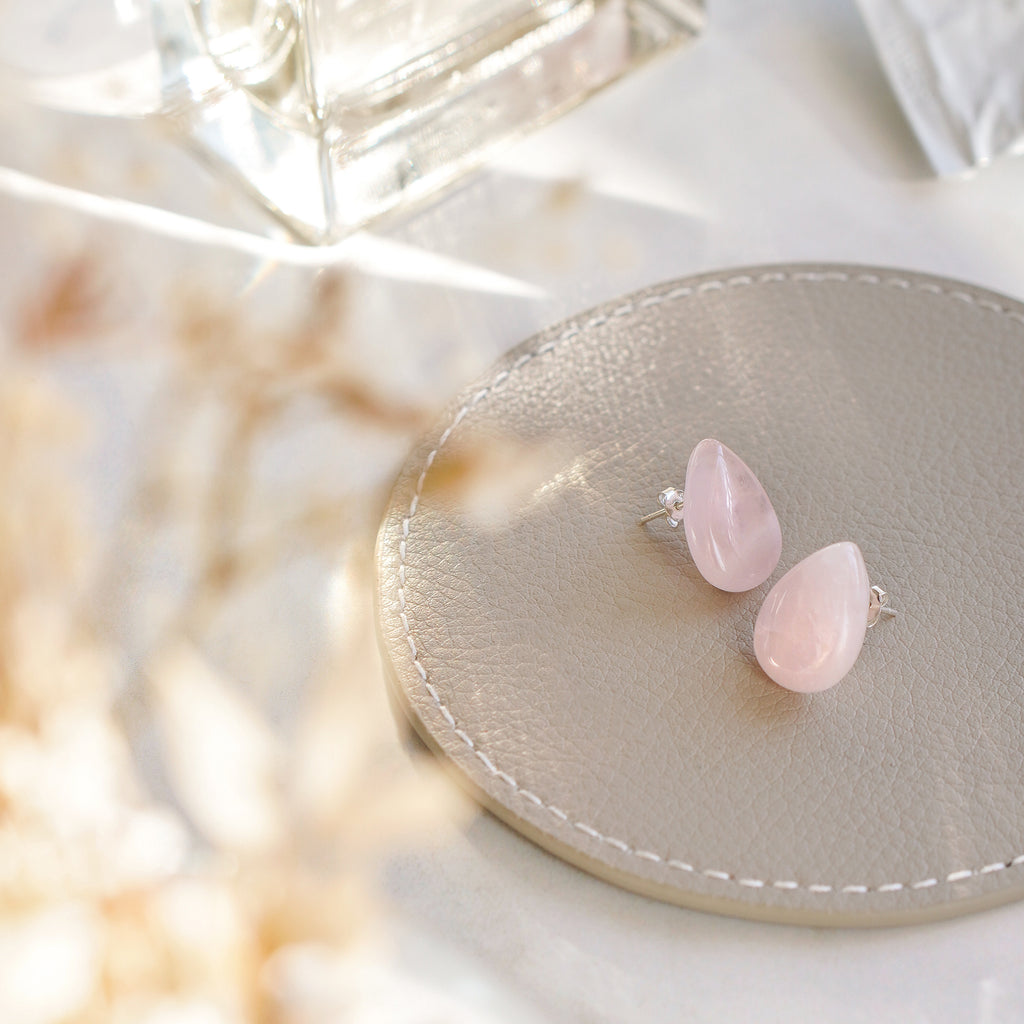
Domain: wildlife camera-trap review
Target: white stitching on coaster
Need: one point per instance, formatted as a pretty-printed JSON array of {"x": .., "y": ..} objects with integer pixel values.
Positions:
[
  {"x": 719, "y": 876},
  {"x": 599, "y": 320}
]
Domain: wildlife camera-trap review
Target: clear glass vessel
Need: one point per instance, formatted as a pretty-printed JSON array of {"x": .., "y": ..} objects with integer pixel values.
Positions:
[{"x": 334, "y": 112}]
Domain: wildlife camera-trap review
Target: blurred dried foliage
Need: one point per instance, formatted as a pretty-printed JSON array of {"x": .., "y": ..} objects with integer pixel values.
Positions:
[
  {"x": 74, "y": 304},
  {"x": 265, "y": 368},
  {"x": 488, "y": 483},
  {"x": 237, "y": 892}
]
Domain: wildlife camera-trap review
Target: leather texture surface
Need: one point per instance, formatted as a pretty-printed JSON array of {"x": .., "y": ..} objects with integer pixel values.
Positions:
[{"x": 598, "y": 695}]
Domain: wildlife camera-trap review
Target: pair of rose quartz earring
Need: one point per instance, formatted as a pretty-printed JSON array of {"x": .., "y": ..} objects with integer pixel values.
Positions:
[{"x": 812, "y": 624}]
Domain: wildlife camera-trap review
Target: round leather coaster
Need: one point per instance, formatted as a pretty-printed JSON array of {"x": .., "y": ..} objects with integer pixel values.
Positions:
[{"x": 601, "y": 698}]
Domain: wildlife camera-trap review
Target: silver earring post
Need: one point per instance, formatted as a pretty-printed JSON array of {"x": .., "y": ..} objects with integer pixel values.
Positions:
[
  {"x": 878, "y": 606},
  {"x": 671, "y": 501}
]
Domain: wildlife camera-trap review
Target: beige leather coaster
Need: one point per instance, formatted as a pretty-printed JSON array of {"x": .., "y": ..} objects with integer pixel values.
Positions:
[{"x": 601, "y": 698}]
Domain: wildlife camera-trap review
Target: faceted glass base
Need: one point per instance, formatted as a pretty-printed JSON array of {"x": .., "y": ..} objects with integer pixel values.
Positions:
[{"x": 333, "y": 114}]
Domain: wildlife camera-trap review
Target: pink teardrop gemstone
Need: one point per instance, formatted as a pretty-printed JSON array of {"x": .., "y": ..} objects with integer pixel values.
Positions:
[
  {"x": 811, "y": 626},
  {"x": 731, "y": 527}
]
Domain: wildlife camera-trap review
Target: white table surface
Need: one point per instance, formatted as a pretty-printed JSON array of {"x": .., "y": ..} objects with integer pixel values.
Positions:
[{"x": 774, "y": 138}]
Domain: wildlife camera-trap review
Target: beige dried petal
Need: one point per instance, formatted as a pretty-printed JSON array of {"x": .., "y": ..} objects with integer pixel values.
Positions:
[
  {"x": 207, "y": 936},
  {"x": 50, "y": 663},
  {"x": 150, "y": 846},
  {"x": 73, "y": 304},
  {"x": 288, "y": 901},
  {"x": 359, "y": 786},
  {"x": 70, "y": 774},
  {"x": 416, "y": 806},
  {"x": 223, "y": 759},
  {"x": 177, "y": 1009},
  {"x": 42, "y": 537},
  {"x": 345, "y": 725},
  {"x": 351, "y": 778},
  {"x": 33, "y": 412},
  {"x": 49, "y": 963},
  {"x": 492, "y": 480}
]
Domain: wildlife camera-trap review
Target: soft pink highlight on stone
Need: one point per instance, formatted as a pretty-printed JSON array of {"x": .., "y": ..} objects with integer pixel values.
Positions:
[
  {"x": 811, "y": 626},
  {"x": 730, "y": 524}
]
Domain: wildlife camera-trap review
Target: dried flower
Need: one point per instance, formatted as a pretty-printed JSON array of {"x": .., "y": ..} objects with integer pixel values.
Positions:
[
  {"x": 490, "y": 481},
  {"x": 73, "y": 305},
  {"x": 174, "y": 848}
]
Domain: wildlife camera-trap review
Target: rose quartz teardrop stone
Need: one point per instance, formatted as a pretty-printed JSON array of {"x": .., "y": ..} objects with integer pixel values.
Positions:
[
  {"x": 730, "y": 524},
  {"x": 811, "y": 626}
]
